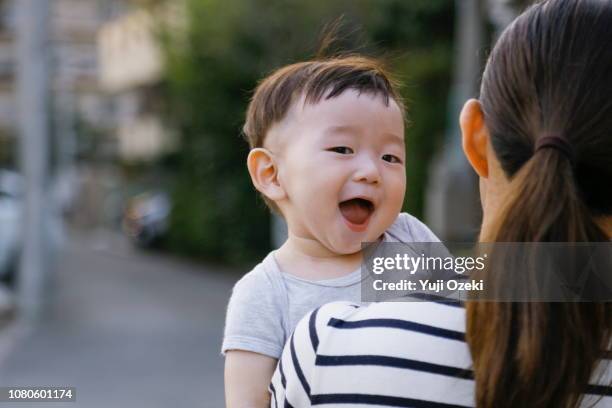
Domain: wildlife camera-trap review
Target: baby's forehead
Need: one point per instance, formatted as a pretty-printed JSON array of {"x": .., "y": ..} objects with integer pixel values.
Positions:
[
  {"x": 346, "y": 115},
  {"x": 339, "y": 106}
]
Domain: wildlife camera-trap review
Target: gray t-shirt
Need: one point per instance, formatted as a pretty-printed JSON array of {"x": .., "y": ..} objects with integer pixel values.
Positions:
[{"x": 266, "y": 303}]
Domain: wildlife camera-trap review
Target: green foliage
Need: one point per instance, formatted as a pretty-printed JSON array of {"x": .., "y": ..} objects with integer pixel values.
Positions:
[
  {"x": 421, "y": 32},
  {"x": 228, "y": 46}
]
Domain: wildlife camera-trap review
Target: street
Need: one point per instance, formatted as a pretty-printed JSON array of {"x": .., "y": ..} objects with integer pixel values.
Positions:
[{"x": 126, "y": 328}]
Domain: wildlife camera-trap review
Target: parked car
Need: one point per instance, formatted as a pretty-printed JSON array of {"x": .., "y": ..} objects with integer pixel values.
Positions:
[
  {"x": 12, "y": 204},
  {"x": 11, "y": 185},
  {"x": 145, "y": 219}
]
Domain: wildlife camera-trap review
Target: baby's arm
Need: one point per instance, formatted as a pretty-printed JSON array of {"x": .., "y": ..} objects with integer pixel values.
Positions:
[
  {"x": 253, "y": 341},
  {"x": 247, "y": 377}
]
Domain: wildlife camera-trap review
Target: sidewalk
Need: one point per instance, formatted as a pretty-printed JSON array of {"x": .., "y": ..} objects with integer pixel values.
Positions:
[{"x": 127, "y": 329}]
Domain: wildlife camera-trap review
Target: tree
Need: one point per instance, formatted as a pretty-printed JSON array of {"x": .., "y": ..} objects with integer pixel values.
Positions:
[{"x": 213, "y": 66}]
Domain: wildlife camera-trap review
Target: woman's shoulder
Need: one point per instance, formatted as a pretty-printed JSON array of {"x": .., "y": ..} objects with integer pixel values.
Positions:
[
  {"x": 428, "y": 317},
  {"x": 386, "y": 327},
  {"x": 372, "y": 345}
]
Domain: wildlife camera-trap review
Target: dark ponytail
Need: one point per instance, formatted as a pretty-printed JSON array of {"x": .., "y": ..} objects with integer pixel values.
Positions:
[
  {"x": 538, "y": 354},
  {"x": 550, "y": 73}
]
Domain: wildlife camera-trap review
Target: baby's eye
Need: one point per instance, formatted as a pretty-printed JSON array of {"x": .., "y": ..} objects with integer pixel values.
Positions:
[
  {"x": 341, "y": 150},
  {"x": 391, "y": 158}
]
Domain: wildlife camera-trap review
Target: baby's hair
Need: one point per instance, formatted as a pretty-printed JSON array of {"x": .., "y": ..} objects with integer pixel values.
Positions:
[{"x": 315, "y": 80}]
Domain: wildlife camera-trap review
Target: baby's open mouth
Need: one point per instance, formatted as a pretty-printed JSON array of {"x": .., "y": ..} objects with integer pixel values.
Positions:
[{"x": 357, "y": 210}]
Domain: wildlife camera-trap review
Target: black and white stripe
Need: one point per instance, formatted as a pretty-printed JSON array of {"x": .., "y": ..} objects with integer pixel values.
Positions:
[{"x": 410, "y": 354}]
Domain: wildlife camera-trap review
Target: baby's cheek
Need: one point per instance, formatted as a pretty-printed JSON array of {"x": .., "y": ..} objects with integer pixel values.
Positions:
[
  {"x": 389, "y": 212},
  {"x": 396, "y": 192}
]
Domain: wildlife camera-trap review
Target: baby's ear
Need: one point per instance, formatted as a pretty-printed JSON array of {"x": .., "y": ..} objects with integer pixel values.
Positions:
[{"x": 264, "y": 173}]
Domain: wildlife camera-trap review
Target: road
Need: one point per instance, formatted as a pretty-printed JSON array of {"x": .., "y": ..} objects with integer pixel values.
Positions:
[{"x": 126, "y": 328}]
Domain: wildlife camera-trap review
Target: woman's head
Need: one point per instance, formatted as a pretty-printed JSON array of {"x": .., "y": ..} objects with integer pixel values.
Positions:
[
  {"x": 549, "y": 75},
  {"x": 540, "y": 138}
]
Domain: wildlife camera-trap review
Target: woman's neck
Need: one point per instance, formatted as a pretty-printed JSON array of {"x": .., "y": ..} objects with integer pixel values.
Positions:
[{"x": 606, "y": 225}]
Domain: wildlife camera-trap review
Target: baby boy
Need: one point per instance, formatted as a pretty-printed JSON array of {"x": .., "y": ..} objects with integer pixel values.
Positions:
[{"x": 327, "y": 154}]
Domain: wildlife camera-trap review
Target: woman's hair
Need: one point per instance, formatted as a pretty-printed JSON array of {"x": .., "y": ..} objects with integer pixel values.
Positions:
[{"x": 549, "y": 76}]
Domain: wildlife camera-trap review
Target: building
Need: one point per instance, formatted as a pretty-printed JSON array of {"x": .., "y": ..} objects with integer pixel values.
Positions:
[
  {"x": 73, "y": 63},
  {"x": 104, "y": 64},
  {"x": 131, "y": 68}
]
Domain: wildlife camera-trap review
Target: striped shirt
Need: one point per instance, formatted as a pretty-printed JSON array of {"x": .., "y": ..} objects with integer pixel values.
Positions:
[{"x": 394, "y": 354}]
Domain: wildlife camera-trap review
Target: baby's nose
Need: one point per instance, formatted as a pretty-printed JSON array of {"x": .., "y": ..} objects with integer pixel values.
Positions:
[{"x": 367, "y": 172}]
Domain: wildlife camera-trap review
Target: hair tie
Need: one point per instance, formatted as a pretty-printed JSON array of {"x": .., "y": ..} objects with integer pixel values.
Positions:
[{"x": 556, "y": 142}]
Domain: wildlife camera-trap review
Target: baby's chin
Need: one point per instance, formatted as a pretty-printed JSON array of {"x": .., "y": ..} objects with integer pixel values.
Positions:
[
  {"x": 351, "y": 246},
  {"x": 345, "y": 249}
]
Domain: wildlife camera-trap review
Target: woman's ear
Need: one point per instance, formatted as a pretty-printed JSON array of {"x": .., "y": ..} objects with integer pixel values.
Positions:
[
  {"x": 475, "y": 137},
  {"x": 264, "y": 173}
]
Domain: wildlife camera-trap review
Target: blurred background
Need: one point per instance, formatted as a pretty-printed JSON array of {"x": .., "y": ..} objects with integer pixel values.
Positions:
[{"x": 126, "y": 211}]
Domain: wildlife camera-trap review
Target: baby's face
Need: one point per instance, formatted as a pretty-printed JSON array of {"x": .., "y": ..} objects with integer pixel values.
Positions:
[{"x": 341, "y": 164}]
